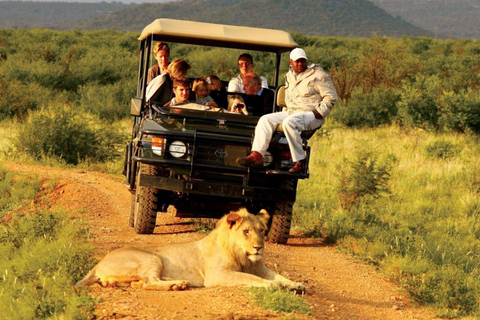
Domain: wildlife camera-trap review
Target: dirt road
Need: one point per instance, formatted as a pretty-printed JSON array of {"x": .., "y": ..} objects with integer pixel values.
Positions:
[{"x": 338, "y": 286}]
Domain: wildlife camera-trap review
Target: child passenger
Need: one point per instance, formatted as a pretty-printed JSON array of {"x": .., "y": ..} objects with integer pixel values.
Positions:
[
  {"x": 181, "y": 89},
  {"x": 202, "y": 93},
  {"x": 217, "y": 91}
]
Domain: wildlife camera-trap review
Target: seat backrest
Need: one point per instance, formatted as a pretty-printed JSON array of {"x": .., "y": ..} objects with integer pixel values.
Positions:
[{"x": 280, "y": 98}]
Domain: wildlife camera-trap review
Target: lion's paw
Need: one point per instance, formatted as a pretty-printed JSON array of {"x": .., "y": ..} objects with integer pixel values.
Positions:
[
  {"x": 180, "y": 285},
  {"x": 297, "y": 287}
]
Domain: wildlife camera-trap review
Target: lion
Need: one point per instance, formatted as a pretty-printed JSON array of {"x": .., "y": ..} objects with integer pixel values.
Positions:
[{"x": 231, "y": 255}]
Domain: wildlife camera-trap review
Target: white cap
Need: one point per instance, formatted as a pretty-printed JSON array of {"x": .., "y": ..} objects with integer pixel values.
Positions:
[{"x": 298, "y": 53}]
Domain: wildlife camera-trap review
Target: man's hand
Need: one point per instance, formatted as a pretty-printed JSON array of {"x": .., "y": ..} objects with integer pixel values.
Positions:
[{"x": 317, "y": 114}]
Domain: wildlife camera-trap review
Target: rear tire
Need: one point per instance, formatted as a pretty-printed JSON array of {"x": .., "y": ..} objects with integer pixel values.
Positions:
[{"x": 144, "y": 203}]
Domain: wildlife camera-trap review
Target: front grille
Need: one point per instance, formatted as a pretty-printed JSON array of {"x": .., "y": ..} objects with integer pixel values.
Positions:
[{"x": 221, "y": 154}]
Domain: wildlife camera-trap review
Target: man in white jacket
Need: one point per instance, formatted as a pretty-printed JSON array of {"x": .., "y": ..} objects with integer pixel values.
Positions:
[{"x": 309, "y": 97}]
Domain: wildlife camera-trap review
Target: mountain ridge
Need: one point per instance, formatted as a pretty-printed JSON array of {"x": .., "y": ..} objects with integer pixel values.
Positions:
[{"x": 347, "y": 18}]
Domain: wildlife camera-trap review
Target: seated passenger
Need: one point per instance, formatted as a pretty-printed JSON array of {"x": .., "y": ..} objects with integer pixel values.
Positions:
[
  {"x": 202, "y": 91},
  {"x": 217, "y": 91},
  {"x": 259, "y": 101},
  {"x": 245, "y": 65},
  {"x": 161, "y": 52},
  {"x": 159, "y": 91},
  {"x": 256, "y": 101},
  {"x": 237, "y": 105},
  {"x": 181, "y": 89}
]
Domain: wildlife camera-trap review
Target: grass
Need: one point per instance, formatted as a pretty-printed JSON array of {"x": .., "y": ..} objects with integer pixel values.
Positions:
[
  {"x": 413, "y": 208},
  {"x": 405, "y": 200},
  {"x": 43, "y": 255},
  {"x": 16, "y": 190},
  {"x": 278, "y": 300}
]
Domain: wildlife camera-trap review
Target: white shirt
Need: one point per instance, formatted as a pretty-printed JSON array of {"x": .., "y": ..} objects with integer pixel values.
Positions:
[{"x": 236, "y": 84}]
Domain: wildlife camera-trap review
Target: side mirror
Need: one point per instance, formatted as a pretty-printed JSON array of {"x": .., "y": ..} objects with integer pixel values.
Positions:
[{"x": 136, "y": 107}]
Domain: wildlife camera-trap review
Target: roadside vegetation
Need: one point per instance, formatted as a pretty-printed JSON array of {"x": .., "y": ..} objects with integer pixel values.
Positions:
[
  {"x": 43, "y": 253},
  {"x": 394, "y": 173},
  {"x": 406, "y": 200}
]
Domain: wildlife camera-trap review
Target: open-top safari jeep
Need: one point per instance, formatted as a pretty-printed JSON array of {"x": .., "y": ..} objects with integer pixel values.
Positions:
[{"x": 185, "y": 156}]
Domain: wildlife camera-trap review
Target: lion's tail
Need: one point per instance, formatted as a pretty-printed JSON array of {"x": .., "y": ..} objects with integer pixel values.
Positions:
[{"x": 89, "y": 279}]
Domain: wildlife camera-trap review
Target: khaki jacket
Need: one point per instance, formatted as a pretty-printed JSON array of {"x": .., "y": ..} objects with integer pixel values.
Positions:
[{"x": 311, "y": 89}]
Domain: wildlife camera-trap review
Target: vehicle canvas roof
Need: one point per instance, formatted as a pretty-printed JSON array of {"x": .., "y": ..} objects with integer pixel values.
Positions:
[{"x": 219, "y": 35}]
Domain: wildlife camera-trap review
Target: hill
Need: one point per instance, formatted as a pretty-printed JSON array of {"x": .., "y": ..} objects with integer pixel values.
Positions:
[
  {"x": 52, "y": 15},
  {"x": 349, "y": 18},
  {"x": 450, "y": 18}
]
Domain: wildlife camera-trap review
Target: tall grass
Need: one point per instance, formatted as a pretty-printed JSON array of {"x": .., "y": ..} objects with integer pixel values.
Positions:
[
  {"x": 16, "y": 190},
  {"x": 413, "y": 208},
  {"x": 42, "y": 255}
]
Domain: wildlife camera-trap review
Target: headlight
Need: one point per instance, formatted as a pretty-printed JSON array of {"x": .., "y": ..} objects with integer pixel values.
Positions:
[{"x": 177, "y": 149}]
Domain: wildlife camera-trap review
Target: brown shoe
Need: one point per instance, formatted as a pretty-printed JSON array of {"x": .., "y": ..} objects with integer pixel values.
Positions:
[
  {"x": 299, "y": 167},
  {"x": 254, "y": 159}
]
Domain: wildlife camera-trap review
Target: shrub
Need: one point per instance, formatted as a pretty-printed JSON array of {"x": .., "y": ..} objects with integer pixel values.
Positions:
[
  {"x": 109, "y": 102},
  {"x": 461, "y": 112},
  {"x": 362, "y": 177},
  {"x": 18, "y": 98},
  {"x": 419, "y": 105},
  {"x": 442, "y": 148},
  {"x": 69, "y": 135},
  {"x": 370, "y": 110}
]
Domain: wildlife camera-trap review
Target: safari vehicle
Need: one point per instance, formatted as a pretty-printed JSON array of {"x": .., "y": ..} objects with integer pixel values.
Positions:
[{"x": 184, "y": 156}]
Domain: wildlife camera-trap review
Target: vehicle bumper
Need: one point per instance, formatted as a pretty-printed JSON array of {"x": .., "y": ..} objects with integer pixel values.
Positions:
[{"x": 207, "y": 188}]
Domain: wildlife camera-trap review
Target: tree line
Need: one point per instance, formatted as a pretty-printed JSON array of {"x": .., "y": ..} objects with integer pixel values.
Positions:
[{"x": 416, "y": 82}]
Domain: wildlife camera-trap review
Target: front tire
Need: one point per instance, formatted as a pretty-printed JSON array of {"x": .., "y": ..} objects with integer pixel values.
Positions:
[
  {"x": 281, "y": 219},
  {"x": 281, "y": 223},
  {"x": 144, "y": 203}
]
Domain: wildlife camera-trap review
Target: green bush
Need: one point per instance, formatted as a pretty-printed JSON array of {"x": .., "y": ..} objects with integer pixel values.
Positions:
[
  {"x": 40, "y": 67},
  {"x": 368, "y": 110},
  {"x": 419, "y": 105},
  {"x": 442, "y": 148},
  {"x": 461, "y": 111},
  {"x": 69, "y": 135},
  {"x": 362, "y": 177},
  {"x": 109, "y": 102}
]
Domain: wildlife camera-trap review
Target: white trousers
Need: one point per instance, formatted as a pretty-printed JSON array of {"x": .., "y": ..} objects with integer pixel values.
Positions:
[{"x": 293, "y": 124}]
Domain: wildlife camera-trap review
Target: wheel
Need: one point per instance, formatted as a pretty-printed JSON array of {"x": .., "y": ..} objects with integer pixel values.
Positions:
[
  {"x": 281, "y": 217},
  {"x": 280, "y": 222},
  {"x": 144, "y": 203}
]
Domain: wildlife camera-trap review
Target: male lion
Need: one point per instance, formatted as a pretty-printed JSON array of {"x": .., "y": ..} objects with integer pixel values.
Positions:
[{"x": 231, "y": 255}]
